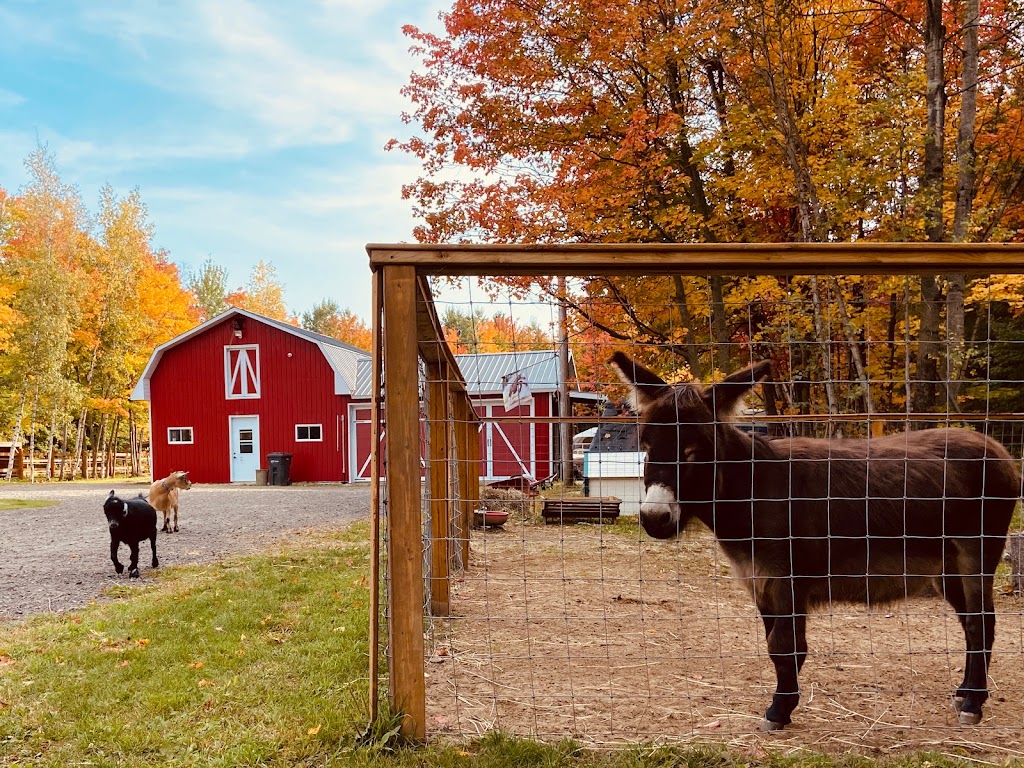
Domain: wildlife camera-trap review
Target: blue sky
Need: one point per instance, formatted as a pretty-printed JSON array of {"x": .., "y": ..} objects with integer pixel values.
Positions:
[{"x": 253, "y": 129}]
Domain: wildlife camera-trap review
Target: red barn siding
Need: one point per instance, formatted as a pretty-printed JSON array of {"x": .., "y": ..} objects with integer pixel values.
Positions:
[
  {"x": 359, "y": 452},
  {"x": 503, "y": 462},
  {"x": 187, "y": 389}
]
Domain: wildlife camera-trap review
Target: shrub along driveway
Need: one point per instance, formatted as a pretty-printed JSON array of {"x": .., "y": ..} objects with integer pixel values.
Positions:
[{"x": 57, "y": 558}]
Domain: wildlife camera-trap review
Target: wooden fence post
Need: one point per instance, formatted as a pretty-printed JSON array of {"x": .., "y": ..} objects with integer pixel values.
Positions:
[
  {"x": 375, "y": 495},
  {"x": 405, "y": 545},
  {"x": 440, "y": 486}
]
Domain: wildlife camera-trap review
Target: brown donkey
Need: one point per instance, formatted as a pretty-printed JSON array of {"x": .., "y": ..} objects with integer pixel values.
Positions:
[{"x": 806, "y": 522}]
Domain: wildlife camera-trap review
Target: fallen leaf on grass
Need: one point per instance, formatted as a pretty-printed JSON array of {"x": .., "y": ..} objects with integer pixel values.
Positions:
[
  {"x": 123, "y": 664},
  {"x": 196, "y": 665},
  {"x": 205, "y": 683},
  {"x": 314, "y": 730}
]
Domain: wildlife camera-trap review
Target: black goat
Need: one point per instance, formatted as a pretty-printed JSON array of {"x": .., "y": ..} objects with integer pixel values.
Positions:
[
  {"x": 130, "y": 522},
  {"x": 806, "y": 522}
]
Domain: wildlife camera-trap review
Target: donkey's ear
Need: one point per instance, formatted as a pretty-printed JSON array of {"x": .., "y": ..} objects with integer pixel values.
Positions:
[
  {"x": 647, "y": 386},
  {"x": 725, "y": 396}
]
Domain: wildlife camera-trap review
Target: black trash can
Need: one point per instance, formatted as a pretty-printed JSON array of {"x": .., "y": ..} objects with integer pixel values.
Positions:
[{"x": 280, "y": 465}]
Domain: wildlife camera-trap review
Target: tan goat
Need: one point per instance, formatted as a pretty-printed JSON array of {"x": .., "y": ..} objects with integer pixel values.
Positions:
[{"x": 163, "y": 496}]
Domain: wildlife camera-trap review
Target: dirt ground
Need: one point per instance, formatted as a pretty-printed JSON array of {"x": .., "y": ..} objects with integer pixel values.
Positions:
[
  {"x": 611, "y": 637},
  {"x": 58, "y": 558}
]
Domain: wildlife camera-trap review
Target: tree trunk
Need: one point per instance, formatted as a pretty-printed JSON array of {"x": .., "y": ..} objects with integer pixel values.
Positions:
[
  {"x": 926, "y": 371},
  {"x": 112, "y": 447},
  {"x": 824, "y": 339},
  {"x": 890, "y": 337},
  {"x": 133, "y": 445},
  {"x": 64, "y": 452},
  {"x": 934, "y": 139},
  {"x": 955, "y": 348},
  {"x": 855, "y": 355},
  {"x": 49, "y": 442},
  {"x": 692, "y": 353},
  {"x": 721, "y": 359},
  {"x": 99, "y": 447},
  {"x": 965, "y": 154},
  {"x": 32, "y": 433},
  {"x": 965, "y": 193},
  {"x": 77, "y": 458},
  {"x": 15, "y": 438}
]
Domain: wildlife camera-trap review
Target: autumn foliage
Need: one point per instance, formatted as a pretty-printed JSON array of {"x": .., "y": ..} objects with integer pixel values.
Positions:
[{"x": 777, "y": 121}]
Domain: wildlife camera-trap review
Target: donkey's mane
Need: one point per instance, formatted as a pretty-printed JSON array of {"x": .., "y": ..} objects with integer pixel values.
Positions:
[{"x": 691, "y": 395}]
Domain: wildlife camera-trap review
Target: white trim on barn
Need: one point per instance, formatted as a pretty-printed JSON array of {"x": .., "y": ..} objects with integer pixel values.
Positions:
[
  {"x": 493, "y": 430},
  {"x": 359, "y": 471}
]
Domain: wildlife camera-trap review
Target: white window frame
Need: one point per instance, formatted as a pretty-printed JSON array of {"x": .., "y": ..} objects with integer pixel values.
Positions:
[
  {"x": 309, "y": 439},
  {"x": 191, "y": 436},
  {"x": 231, "y": 374}
]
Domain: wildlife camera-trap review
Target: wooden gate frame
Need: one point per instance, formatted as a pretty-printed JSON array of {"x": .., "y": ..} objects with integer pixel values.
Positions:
[{"x": 406, "y": 329}]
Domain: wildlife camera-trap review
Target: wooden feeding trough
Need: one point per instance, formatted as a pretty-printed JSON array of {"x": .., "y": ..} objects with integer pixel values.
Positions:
[{"x": 603, "y": 509}]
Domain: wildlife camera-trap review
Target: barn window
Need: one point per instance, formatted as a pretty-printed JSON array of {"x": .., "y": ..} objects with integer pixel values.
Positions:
[
  {"x": 308, "y": 433},
  {"x": 179, "y": 435},
  {"x": 242, "y": 372}
]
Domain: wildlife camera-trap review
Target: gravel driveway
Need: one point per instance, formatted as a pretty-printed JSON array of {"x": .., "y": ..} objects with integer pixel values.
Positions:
[{"x": 58, "y": 558}]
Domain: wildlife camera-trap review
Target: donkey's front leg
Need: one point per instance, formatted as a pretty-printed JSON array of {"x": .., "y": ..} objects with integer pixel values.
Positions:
[{"x": 787, "y": 647}]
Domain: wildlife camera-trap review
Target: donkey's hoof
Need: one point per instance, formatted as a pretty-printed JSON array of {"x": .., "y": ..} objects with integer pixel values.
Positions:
[
  {"x": 770, "y": 725},
  {"x": 965, "y": 718},
  {"x": 969, "y": 718}
]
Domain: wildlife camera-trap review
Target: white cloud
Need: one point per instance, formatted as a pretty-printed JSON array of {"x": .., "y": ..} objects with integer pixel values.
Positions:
[
  {"x": 285, "y": 75},
  {"x": 10, "y": 98}
]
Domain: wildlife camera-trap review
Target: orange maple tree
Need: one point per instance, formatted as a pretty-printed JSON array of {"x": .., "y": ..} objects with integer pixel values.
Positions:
[{"x": 585, "y": 121}]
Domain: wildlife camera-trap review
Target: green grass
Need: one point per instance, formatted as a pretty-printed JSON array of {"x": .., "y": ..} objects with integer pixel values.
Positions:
[
  {"x": 6, "y": 504},
  {"x": 257, "y": 661}
]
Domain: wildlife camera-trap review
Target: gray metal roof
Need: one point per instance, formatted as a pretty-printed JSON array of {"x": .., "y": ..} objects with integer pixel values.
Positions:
[
  {"x": 483, "y": 372},
  {"x": 364, "y": 372}
]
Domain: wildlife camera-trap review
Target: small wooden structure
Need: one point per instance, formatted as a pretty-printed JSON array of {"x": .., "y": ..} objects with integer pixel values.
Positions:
[
  {"x": 18, "y": 470},
  {"x": 603, "y": 509}
]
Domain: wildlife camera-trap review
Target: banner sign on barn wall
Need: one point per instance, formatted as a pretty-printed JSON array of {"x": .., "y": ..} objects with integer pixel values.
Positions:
[{"x": 515, "y": 391}]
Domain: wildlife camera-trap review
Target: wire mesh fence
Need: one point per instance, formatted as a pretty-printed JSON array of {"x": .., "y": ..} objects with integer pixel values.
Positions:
[{"x": 549, "y": 610}]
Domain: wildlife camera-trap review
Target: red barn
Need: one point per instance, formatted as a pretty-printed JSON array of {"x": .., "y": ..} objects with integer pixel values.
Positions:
[{"x": 240, "y": 386}]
